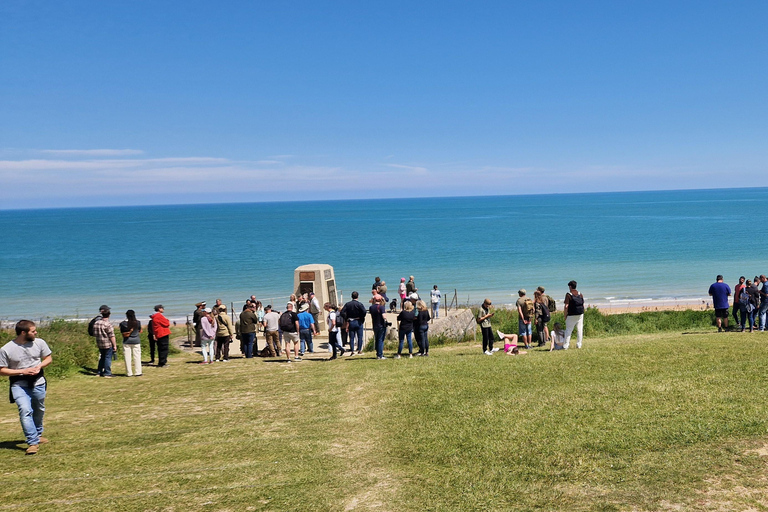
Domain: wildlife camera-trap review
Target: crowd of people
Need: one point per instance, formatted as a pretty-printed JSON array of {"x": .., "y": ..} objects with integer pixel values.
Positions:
[{"x": 749, "y": 307}]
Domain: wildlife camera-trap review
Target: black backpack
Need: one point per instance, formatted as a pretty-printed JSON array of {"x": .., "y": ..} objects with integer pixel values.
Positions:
[
  {"x": 576, "y": 305},
  {"x": 286, "y": 322},
  {"x": 91, "y": 331},
  {"x": 339, "y": 319},
  {"x": 545, "y": 314}
]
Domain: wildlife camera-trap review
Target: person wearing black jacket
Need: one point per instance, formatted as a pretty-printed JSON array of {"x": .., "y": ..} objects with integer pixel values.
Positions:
[
  {"x": 354, "y": 316},
  {"x": 422, "y": 327}
]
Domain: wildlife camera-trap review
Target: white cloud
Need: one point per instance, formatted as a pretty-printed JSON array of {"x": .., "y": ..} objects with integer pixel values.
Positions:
[
  {"x": 412, "y": 168},
  {"x": 92, "y": 152}
]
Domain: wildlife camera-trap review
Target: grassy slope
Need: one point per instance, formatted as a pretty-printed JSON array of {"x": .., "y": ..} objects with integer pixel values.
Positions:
[{"x": 628, "y": 423}]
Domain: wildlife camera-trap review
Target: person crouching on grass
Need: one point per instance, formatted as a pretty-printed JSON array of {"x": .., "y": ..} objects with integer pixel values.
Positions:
[{"x": 23, "y": 360}]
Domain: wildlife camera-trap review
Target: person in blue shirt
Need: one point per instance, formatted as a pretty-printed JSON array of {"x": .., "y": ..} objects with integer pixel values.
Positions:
[
  {"x": 306, "y": 329},
  {"x": 720, "y": 292}
]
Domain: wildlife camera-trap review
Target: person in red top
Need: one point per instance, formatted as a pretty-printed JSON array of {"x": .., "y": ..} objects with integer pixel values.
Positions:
[
  {"x": 161, "y": 326},
  {"x": 736, "y": 291}
]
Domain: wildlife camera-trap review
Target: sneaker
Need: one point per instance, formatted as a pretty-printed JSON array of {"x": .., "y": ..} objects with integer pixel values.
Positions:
[
  {"x": 138, "y": 375},
  {"x": 359, "y": 352},
  {"x": 719, "y": 329},
  {"x": 426, "y": 354},
  {"x": 397, "y": 356},
  {"x": 288, "y": 361},
  {"x": 501, "y": 335},
  {"x": 301, "y": 353},
  {"x": 488, "y": 353},
  {"x": 495, "y": 349},
  {"x": 225, "y": 360},
  {"x": 410, "y": 356},
  {"x": 341, "y": 354},
  {"x": 203, "y": 362},
  {"x": 44, "y": 440},
  {"x": 32, "y": 450},
  {"x": 419, "y": 354},
  {"x": 297, "y": 359},
  {"x": 332, "y": 358},
  {"x": 381, "y": 357}
]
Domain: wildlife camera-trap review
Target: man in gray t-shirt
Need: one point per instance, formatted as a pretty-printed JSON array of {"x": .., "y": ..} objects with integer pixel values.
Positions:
[{"x": 23, "y": 360}]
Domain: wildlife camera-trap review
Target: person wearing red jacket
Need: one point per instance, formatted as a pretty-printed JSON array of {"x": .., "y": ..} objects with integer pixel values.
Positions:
[{"x": 161, "y": 326}]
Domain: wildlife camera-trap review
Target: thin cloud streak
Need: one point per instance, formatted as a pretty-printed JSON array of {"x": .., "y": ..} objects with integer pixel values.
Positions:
[{"x": 92, "y": 152}]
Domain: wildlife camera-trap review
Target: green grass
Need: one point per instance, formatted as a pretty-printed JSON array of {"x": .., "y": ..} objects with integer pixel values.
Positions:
[{"x": 639, "y": 422}]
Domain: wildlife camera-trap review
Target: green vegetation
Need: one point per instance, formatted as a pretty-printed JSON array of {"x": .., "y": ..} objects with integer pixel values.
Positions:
[
  {"x": 597, "y": 324},
  {"x": 665, "y": 421}
]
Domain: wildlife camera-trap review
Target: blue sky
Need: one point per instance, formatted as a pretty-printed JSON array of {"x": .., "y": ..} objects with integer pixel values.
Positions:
[{"x": 139, "y": 102}]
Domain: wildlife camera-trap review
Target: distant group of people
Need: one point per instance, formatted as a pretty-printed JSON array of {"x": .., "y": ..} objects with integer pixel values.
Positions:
[
  {"x": 537, "y": 311},
  {"x": 750, "y": 303}
]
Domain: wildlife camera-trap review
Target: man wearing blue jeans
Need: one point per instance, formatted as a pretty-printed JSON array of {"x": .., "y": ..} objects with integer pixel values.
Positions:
[
  {"x": 105, "y": 340},
  {"x": 761, "y": 313},
  {"x": 306, "y": 329},
  {"x": 354, "y": 313},
  {"x": 23, "y": 360}
]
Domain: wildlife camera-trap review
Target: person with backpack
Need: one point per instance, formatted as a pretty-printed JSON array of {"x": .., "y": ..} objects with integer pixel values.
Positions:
[
  {"x": 289, "y": 324},
  {"x": 574, "y": 315},
  {"x": 379, "y": 321},
  {"x": 354, "y": 313},
  {"x": 525, "y": 315},
  {"x": 550, "y": 302},
  {"x": 543, "y": 316},
  {"x": 335, "y": 324},
  {"x": 749, "y": 299}
]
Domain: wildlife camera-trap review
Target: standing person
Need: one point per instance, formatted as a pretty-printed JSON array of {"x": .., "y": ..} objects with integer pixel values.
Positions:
[
  {"x": 761, "y": 312},
  {"x": 354, "y": 314},
  {"x": 248, "y": 322},
  {"x": 162, "y": 328},
  {"x": 410, "y": 286},
  {"x": 130, "y": 328},
  {"x": 315, "y": 309},
  {"x": 435, "y": 296},
  {"x": 208, "y": 328},
  {"x": 383, "y": 292},
  {"x": 720, "y": 292},
  {"x": 151, "y": 339},
  {"x": 105, "y": 340},
  {"x": 549, "y": 301},
  {"x": 483, "y": 318},
  {"x": 289, "y": 324},
  {"x": 736, "y": 304},
  {"x": 422, "y": 327},
  {"x": 23, "y": 360},
  {"x": 334, "y": 331},
  {"x": 526, "y": 312},
  {"x": 306, "y": 330},
  {"x": 402, "y": 290},
  {"x": 270, "y": 323},
  {"x": 196, "y": 316},
  {"x": 543, "y": 316},
  {"x": 379, "y": 322},
  {"x": 225, "y": 331},
  {"x": 574, "y": 315},
  {"x": 405, "y": 329},
  {"x": 752, "y": 304},
  {"x": 376, "y": 285}
]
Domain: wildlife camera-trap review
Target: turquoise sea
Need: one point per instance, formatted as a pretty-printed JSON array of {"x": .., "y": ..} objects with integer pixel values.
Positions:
[{"x": 622, "y": 248}]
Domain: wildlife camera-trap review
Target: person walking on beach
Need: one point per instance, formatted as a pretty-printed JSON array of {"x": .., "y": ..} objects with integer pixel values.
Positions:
[
  {"x": 354, "y": 314},
  {"x": 334, "y": 331},
  {"x": 23, "y": 360},
  {"x": 105, "y": 340},
  {"x": 270, "y": 323},
  {"x": 225, "y": 331},
  {"x": 525, "y": 315},
  {"x": 162, "y": 330},
  {"x": 720, "y": 292},
  {"x": 289, "y": 324},
  {"x": 434, "y": 297},
  {"x": 379, "y": 321},
  {"x": 248, "y": 322},
  {"x": 307, "y": 328},
  {"x": 483, "y": 318},
  {"x": 130, "y": 328},
  {"x": 208, "y": 328},
  {"x": 574, "y": 315}
]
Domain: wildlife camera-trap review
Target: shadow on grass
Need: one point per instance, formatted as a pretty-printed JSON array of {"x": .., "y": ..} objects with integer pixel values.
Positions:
[
  {"x": 12, "y": 445},
  {"x": 87, "y": 370}
]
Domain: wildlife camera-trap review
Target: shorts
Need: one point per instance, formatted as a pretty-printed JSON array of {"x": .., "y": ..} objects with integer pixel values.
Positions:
[
  {"x": 721, "y": 313},
  {"x": 509, "y": 346},
  {"x": 523, "y": 328},
  {"x": 289, "y": 337}
]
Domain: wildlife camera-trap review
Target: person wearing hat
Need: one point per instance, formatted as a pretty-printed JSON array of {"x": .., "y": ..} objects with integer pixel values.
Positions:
[
  {"x": 105, "y": 340},
  {"x": 306, "y": 329},
  {"x": 208, "y": 328},
  {"x": 162, "y": 329},
  {"x": 196, "y": 316},
  {"x": 525, "y": 313},
  {"x": 483, "y": 318},
  {"x": 225, "y": 332}
]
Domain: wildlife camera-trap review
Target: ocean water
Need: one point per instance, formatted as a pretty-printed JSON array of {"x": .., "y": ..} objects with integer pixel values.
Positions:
[{"x": 632, "y": 247}]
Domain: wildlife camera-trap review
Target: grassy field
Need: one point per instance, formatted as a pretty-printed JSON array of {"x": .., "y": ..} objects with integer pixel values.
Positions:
[{"x": 665, "y": 421}]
